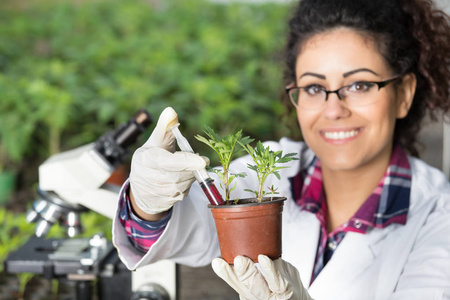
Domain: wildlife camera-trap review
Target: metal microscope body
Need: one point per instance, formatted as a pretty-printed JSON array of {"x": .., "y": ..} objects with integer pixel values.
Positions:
[{"x": 72, "y": 182}]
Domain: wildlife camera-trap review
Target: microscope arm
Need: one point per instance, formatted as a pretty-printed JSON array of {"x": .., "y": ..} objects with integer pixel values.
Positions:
[
  {"x": 73, "y": 181},
  {"x": 78, "y": 176}
]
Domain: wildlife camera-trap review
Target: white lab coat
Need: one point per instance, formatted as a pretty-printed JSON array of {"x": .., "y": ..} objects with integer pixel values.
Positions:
[{"x": 409, "y": 261}]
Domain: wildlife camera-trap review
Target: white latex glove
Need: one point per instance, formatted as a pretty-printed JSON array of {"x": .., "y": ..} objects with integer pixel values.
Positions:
[
  {"x": 276, "y": 280},
  {"x": 160, "y": 176}
]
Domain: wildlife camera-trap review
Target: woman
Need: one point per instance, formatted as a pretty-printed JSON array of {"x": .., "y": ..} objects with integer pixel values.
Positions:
[{"x": 365, "y": 220}]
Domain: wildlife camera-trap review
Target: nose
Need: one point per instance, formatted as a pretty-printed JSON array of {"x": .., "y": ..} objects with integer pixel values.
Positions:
[{"x": 335, "y": 108}]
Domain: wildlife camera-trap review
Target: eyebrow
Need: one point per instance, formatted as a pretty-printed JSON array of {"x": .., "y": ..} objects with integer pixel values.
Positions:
[
  {"x": 313, "y": 74},
  {"x": 344, "y": 75},
  {"x": 359, "y": 70}
]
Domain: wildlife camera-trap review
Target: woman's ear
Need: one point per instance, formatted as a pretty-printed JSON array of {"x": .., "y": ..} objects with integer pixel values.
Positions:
[{"x": 405, "y": 94}]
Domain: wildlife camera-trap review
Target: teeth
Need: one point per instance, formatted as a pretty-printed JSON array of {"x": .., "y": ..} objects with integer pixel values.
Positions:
[{"x": 339, "y": 135}]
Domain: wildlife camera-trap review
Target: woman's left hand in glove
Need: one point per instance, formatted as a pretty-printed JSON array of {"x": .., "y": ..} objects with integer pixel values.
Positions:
[{"x": 274, "y": 280}]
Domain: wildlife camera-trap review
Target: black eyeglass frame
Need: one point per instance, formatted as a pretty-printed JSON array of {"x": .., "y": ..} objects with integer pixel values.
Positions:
[{"x": 380, "y": 85}]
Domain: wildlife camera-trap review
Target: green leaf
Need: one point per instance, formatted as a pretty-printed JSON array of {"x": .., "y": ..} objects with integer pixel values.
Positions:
[
  {"x": 233, "y": 188},
  {"x": 251, "y": 191},
  {"x": 253, "y": 167},
  {"x": 242, "y": 174}
]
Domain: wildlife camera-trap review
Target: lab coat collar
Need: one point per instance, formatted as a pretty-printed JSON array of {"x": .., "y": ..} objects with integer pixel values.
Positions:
[{"x": 356, "y": 252}]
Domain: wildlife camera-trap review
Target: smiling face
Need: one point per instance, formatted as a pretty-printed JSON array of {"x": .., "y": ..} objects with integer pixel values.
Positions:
[{"x": 344, "y": 137}]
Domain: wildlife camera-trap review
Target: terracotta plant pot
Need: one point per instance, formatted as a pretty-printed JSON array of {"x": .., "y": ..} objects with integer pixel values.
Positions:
[{"x": 249, "y": 228}]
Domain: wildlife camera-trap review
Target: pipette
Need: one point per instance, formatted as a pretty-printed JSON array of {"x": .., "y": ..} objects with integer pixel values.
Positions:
[{"x": 205, "y": 181}]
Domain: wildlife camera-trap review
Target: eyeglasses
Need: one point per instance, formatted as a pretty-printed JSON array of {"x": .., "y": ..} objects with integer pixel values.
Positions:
[{"x": 358, "y": 93}]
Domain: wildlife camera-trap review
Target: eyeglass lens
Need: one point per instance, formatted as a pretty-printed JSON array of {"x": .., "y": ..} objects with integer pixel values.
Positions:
[{"x": 354, "y": 95}]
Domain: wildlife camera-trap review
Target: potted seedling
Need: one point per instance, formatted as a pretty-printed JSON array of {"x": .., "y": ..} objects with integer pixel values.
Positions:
[
  {"x": 226, "y": 148},
  {"x": 249, "y": 226},
  {"x": 266, "y": 163}
]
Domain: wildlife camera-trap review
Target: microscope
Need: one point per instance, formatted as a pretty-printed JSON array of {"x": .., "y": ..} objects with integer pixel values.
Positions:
[{"x": 74, "y": 182}]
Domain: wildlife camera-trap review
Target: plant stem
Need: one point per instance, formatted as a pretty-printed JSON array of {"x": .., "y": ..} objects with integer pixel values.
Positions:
[
  {"x": 227, "y": 185},
  {"x": 260, "y": 191}
]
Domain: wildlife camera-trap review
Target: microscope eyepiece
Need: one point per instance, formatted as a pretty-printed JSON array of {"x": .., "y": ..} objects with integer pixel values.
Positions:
[
  {"x": 127, "y": 134},
  {"x": 113, "y": 145}
]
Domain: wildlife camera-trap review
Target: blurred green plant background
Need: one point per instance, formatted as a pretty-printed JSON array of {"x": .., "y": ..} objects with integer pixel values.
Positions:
[{"x": 72, "y": 70}]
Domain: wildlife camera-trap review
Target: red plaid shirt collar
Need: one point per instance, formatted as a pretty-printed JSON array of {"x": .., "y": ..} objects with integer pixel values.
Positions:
[{"x": 388, "y": 203}]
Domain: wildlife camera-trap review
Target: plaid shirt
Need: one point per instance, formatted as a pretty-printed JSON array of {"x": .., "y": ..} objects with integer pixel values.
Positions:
[
  {"x": 142, "y": 234},
  {"x": 388, "y": 204}
]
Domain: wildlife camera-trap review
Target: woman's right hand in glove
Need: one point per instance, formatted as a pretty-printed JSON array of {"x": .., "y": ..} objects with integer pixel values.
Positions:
[{"x": 159, "y": 176}]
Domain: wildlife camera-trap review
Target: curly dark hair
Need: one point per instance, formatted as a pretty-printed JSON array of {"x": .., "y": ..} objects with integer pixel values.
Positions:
[{"x": 412, "y": 35}]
